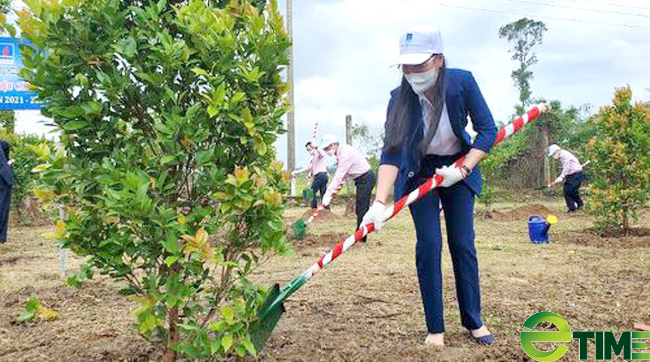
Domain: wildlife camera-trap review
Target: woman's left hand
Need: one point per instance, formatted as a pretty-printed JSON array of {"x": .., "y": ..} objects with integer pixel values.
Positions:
[{"x": 451, "y": 175}]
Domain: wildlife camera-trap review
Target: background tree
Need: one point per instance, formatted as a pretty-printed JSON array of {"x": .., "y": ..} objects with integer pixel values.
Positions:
[
  {"x": 26, "y": 158},
  {"x": 370, "y": 141},
  {"x": 523, "y": 35},
  {"x": 167, "y": 111},
  {"x": 619, "y": 155}
]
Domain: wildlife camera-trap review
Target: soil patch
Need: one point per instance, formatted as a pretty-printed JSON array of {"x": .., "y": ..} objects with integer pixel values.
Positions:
[
  {"x": 589, "y": 237},
  {"x": 322, "y": 215},
  {"x": 516, "y": 214},
  {"x": 313, "y": 243},
  {"x": 93, "y": 325}
]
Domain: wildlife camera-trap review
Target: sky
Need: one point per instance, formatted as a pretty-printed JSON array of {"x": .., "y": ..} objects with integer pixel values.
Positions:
[{"x": 343, "y": 51}]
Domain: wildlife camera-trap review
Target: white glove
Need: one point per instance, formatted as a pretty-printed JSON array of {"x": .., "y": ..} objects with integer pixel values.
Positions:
[
  {"x": 11, "y": 162},
  {"x": 374, "y": 215},
  {"x": 326, "y": 200},
  {"x": 558, "y": 180},
  {"x": 451, "y": 175},
  {"x": 294, "y": 172},
  {"x": 543, "y": 107}
]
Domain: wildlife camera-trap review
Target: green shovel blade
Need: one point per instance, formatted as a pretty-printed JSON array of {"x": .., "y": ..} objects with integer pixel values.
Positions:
[
  {"x": 268, "y": 318},
  {"x": 299, "y": 229},
  {"x": 307, "y": 194}
]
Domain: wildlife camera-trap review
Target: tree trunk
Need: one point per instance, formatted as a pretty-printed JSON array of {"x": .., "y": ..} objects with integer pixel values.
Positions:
[
  {"x": 350, "y": 207},
  {"x": 626, "y": 222},
  {"x": 172, "y": 318},
  {"x": 546, "y": 171}
]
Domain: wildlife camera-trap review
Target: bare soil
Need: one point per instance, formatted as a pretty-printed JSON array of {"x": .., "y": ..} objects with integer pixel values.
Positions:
[
  {"x": 366, "y": 305},
  {"x": 518, "y": 213}
]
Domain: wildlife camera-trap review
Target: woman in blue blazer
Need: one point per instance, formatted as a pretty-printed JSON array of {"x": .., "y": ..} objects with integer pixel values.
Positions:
[
  {"x": 425, "y": 134},
  {"x": 6, "y": 182}
]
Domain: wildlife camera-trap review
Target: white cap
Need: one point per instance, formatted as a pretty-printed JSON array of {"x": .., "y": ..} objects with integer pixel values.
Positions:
[
  {"x": 418, "y": 44},
  {"x": 552, "y": 149},
  {"x": 327, "y": 140}
]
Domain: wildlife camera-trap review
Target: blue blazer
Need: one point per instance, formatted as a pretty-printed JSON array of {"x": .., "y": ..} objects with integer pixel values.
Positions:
[
  {"x": 463, "y": 98},
  {"x": 6, "y": 174}
]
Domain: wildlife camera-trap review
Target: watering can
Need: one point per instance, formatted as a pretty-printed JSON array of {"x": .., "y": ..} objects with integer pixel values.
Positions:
[{"x": 538, "y": 228}]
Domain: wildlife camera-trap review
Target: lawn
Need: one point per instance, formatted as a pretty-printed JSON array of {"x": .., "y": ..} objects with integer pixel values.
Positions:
[{"x": 365, "y": 306}]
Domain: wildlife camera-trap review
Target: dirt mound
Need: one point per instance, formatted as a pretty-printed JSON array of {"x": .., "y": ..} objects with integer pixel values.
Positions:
[
  {"x": 639, "y": 237},
  {"x": 516, "y": 214},
  {"x": 322, "y": 215},
  {"x": 318, "y": 243}
]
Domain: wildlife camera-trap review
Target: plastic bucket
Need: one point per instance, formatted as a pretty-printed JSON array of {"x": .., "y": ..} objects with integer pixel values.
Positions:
[{"x": 538, "y": 229}]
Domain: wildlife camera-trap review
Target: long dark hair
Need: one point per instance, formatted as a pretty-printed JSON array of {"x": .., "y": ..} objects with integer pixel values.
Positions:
[{"x": 397, "y": 124}]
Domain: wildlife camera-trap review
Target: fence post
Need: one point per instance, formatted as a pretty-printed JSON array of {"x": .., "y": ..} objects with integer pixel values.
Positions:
[{"x": 62, "y": 253}]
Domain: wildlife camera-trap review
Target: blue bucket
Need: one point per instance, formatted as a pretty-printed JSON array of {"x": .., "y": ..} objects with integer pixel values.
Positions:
[{"x": 538, "y": 229}]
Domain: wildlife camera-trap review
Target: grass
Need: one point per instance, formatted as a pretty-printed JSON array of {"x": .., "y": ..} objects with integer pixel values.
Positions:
[{"x": 365, "y": 306}]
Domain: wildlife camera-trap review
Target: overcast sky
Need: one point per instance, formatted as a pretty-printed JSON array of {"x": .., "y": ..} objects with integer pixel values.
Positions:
[{"x": 343, "y": 50}]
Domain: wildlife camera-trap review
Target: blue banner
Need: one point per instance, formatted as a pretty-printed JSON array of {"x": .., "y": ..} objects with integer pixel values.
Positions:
[{"x": 14, "y": 93}]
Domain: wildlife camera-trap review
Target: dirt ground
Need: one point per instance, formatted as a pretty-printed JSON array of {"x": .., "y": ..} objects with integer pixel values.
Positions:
[{"x": 365, "y": 306}]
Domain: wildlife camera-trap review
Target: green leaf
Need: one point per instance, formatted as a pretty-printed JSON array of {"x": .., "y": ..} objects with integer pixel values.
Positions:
[
  {"x": 165, "y": 160},
  {"x": 171, "y": 245},
  {"x": 228, "y": 313},
  {"x": 250, "y": 347},
  {"x": 26, "y": 316},
  {"x": 260, "y": 148},
  {"x": 215, "y": 345},
  {"x": 91, "y": 108},
  {"x": 200, "y": 71},
  {"x": 226, "y": 342},
  {"x": 75, "y": 125},
  {"x": 205, "y": 156},
  {"x": 171, "y": 260},
  {"x": 240, "y": 350}
]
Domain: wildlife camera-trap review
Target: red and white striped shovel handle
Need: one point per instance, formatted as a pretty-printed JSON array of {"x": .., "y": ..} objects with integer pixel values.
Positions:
[{"x": 418, "y": 193}]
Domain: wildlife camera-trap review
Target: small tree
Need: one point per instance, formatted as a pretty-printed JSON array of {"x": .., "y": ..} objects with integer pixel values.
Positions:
[
  {"x": 619, "y": 156},
  {"x": 167, "y": 111}
]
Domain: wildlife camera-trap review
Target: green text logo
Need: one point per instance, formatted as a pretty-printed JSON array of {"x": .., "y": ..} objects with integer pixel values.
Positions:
[{"x": 606, "y": 342}]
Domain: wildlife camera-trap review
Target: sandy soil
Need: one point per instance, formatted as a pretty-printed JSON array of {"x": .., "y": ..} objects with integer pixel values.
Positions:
[{"x": 365, "y": 306}]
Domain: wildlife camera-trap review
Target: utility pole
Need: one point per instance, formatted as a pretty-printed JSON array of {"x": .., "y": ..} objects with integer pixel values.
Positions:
[
  {"x": 348, "y": 129},
  {"x": 291, "y": 127}
]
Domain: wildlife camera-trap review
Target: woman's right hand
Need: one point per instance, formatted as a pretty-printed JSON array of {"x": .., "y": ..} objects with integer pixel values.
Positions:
[{"x": 374, "y": 216}]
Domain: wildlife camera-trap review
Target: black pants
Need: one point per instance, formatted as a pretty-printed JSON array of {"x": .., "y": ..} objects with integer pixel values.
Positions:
[
  {"x": 364, "y": 184},
  {"x": 5, "y": 205},
  {"x": 319, "y": 184},
  {"x": 571, "y": 190}
]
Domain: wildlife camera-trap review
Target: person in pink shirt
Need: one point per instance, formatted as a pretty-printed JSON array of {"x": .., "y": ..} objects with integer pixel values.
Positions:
[
  {"x": 317, "y": 168},
  {"x": 571, "y": 175},
  {"x": 349, "y": 163}
]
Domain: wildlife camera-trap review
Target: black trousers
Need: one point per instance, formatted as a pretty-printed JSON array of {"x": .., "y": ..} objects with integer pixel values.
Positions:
[
  {"x": 5, "y": 205},
  {"x": 364, "y": 184},
  {"x": 571, "y": 190},
  {"x": 319, "y": 184}
]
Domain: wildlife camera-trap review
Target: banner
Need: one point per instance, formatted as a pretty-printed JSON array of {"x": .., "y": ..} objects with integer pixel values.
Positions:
[{"x": 13, "y": 90}]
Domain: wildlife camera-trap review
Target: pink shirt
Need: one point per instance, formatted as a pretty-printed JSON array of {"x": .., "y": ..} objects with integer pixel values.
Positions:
[
  {"x": 318, "y": 161},
  {"x": 349, "y": 163},
  {"x": 570, "y": 164},
  {"x": 317, "y": 164}
]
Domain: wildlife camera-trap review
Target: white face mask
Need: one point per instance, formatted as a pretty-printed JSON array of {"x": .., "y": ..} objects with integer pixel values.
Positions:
[
  {"x": 420, "y": 82},
  {"x": 556, "y": 155},
  {"x": 330, "y": 152}
]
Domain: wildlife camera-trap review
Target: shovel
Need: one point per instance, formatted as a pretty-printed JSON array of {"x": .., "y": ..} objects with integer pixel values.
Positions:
[
  {"x": 273, "y": 306},
  {"x": 299, "y": 227}
]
